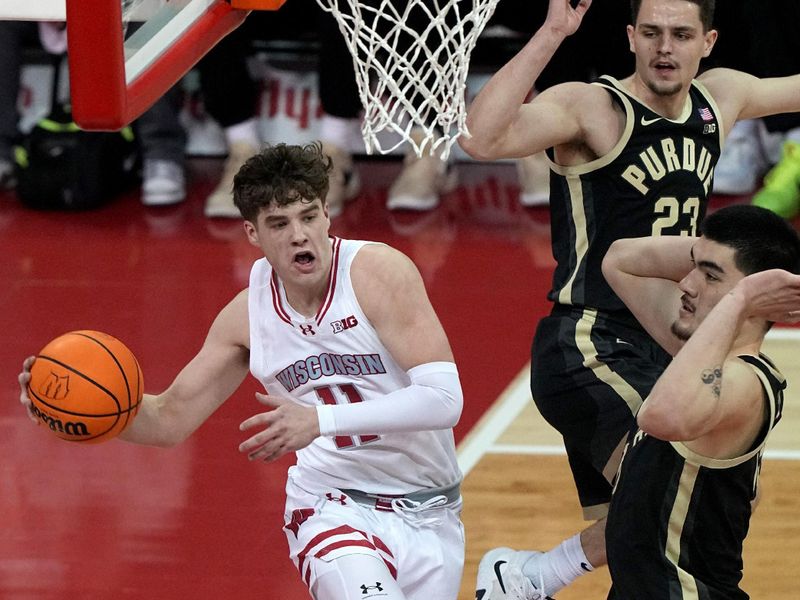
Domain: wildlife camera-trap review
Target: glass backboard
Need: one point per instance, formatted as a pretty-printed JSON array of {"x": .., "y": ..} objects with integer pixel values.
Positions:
[{"x": 114, "y": 78}]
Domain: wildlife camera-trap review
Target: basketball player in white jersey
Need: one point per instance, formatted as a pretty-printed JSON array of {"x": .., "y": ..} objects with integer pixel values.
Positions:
[{"x": 360, "y": 383}]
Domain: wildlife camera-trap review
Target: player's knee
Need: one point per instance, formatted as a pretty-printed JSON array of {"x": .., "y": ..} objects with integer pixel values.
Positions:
[{"x": 355, "y": 576}]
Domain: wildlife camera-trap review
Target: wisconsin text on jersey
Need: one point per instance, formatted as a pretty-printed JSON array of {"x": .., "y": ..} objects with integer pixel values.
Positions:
[
  {"x": 325, "y": 365},
  {"x": 667, "y": 157}
]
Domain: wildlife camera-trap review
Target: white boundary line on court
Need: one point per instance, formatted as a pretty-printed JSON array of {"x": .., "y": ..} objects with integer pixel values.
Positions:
[
  {"x": 784, "y": 333},
  {"x": 559, "y": 451},
  {"x": 483, "y": 438},
  {"x": 494, "y": 423}
]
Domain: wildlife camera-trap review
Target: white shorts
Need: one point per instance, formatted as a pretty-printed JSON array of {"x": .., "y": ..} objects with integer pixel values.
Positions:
[{"x": 423, "y": 551}]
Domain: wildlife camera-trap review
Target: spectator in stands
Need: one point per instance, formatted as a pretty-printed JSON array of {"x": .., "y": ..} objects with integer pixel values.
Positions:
[
  {"x": 231, "y": 98},
  {"x": 161, "y": 136},
  {"x": 759, "y": 39}
]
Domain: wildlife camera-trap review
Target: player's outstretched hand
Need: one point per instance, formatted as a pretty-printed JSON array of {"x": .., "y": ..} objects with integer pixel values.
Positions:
[
  {"x": 287, "y": 427},
  {"x": 562, "y": 17},
  {"x": 23, "y": 379}
]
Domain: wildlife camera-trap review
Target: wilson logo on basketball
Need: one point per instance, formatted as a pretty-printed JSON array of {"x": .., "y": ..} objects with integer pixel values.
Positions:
[
  {"x": 55, "y": 387},
  {"x": 78, "y": 429}
]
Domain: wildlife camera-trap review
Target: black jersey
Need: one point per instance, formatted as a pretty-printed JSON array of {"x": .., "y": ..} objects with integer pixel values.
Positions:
[
  {"x": 655, "y": 181},
  {"x": 677, "y": 520}
]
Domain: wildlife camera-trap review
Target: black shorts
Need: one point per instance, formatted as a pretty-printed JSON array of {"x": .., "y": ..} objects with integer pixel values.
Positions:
[{"x": 590, "y": 373}]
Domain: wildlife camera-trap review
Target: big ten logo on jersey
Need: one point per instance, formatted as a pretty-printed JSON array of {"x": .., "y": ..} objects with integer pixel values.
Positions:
[{"x": 344, "y": 324}]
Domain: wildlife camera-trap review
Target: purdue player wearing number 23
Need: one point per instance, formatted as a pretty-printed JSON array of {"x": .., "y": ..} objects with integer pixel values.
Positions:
[
  {"x": 629, "y": 158},
  {"x": 360, "y": 381}
]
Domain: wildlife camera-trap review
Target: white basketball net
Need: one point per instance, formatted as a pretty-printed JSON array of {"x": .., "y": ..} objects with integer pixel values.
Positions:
[{"x": 412, "y": 79}]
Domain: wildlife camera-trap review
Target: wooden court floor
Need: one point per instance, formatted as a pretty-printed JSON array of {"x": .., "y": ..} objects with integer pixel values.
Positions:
[{"x": 117, "y": 521}]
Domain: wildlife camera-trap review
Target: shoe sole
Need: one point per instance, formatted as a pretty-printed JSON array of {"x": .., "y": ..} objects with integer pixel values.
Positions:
[
  {"x": 151, "y": 200},
  {"x": 414, "y": 203}
]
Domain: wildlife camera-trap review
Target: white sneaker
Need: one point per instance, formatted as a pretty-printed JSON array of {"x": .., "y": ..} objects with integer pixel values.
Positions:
[
  {"x": 742, "y": 163},
  {"x": 344, "y": 182},
  {"x": 421, "y": 182},
  {"x": 500, "y": 577},
  {"x": 163, "y": 183},
  {"x": 534, "y": 180},
  {"x": 8, "y": 177},
  {"x": 220, "y": 202}
]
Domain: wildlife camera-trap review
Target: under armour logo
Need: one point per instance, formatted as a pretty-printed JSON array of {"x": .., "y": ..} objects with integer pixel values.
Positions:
[
  {"x": 307, "y": 330},
  {"x": 365, "y": 589},
  {"x": 340, "y": 499}
]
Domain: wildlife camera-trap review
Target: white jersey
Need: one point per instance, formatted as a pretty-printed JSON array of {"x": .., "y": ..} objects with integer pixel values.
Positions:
[{"x": 336, "y": 357}]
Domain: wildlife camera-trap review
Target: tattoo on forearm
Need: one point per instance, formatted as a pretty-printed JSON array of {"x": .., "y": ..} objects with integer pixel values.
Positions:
[{"x": 713, "y": 377}]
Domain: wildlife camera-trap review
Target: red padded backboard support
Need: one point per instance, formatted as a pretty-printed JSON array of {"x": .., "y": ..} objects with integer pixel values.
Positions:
[{"x": 101, "y": 100}]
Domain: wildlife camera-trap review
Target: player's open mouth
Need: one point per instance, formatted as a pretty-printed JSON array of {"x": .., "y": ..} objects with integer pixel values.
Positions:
[
  {"x": 304, "y": 259},
  {"x": 664, "y": 67}
]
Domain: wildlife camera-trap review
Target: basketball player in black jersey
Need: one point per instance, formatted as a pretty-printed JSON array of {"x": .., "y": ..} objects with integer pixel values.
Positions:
[
  {"x": 689, "y": 474},
  {"x": 630, "y": 158}
]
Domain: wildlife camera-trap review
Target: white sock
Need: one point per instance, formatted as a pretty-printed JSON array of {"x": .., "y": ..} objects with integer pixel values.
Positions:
[
  {"x": 558, "y": 567},
  {"x": 244, "y": 132}
]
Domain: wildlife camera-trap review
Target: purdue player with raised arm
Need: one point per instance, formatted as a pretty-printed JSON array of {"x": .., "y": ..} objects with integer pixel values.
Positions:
[
  {"x": 633, "y": 157},
  {"x": 682, "y": 502}
]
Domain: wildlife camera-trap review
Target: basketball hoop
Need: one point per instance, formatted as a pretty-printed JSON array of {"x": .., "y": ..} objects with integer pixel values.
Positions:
[{"x": 412, "y": 78}]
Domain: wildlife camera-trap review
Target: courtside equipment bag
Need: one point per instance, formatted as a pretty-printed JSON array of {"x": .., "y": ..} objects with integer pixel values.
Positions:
[{"x": 61, "y": 167}]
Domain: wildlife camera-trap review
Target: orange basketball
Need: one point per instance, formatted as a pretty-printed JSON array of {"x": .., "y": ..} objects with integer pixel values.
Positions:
[{"x": 86, "y": 386}]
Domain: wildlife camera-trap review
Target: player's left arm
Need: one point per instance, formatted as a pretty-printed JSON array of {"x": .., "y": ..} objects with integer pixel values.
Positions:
[
  {"x": 744, "y": 96},
  {"x": 392, "y": 295}
]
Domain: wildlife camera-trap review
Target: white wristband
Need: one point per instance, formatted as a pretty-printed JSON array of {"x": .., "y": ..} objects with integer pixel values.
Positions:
[{"x": 327, "y": 424}]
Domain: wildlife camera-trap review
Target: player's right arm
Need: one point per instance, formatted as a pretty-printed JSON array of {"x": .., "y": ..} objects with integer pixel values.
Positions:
[
  {"x": 501, "y": 123},
  {"x": 202, "y": 386}
]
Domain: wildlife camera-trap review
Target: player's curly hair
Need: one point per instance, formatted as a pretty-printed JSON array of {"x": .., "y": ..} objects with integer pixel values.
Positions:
[
  {"x": 706, "y": 11},
  {"x": 281, "y": 174}
]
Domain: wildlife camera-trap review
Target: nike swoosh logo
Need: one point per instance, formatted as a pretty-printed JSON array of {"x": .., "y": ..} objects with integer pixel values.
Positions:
[
  {"x": 647, "y": 122},
  {"x": 584, "y": 566},
  {"x": 620, "y": 341},
  {"x": 497, "y": 566}
]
